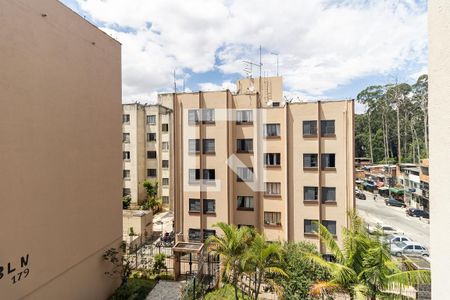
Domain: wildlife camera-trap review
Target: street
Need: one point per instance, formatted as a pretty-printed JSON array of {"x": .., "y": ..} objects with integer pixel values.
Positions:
[{"x": 374, "y": 212}]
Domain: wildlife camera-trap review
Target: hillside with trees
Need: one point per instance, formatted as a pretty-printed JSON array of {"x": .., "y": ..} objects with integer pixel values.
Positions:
[{"x": 394, "y": 127}]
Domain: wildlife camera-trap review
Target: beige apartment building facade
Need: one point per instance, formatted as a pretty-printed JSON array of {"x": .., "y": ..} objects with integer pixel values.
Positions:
[
  {"x": 146, "y": 151},
  {"x": 250, "y": 158},
  {"x": 60, "y": 100}
]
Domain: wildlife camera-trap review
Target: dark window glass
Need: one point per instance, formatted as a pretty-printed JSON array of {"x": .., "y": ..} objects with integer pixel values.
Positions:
[
  {"x": 151, "y": 119},
  {"x": 310, "y": 226},
  {"x": 151, "y": 154},
  {"x": 125, "y": 118},
  {"x": 126, "y": 192},
  {"x": 272, "y": 188},
  {"x": 310, "y": 160},
  {"x": 194, "y": 175},
  {"x": 194, "y": 205},
  {"x": 207, "y": 233},
  {"x": 194, "y": 146},
  {"x": 244, "y": 145},
  {"x": 165, "y": 163},
  {"x": 209, "y": 174},
  {"x": 244, "y": 116},
  {"x": 208, "y": 115},
  {"x": 126, "y": 174},
  {"x": 151, "y": 137},
  {"x": 272, "y": 159},
  {"x": 245, "y": 202},
  {"x": 330, "y": 225},
  {"x": 310, "y": 193},
  {"x": 164, "y": 127},
  {"x": 309, "y": 128},
  {"x": 151, "y": 172},
  {"x": 209, "y": 146},
  {"x": 327, "y": 127},
  {"x": 126, "y": 137},
  {"x": 126, "y": 155},
  {"x": 328, "y": 160},
  {"x": 328, "y": 194},
  {"x": 165, "y": 181},
  {"x": 194, "y": 235},
  {"x": 272, "y": 218},
  {"x": 209, "y": 206},
  {"x": 271, "y": 130}
]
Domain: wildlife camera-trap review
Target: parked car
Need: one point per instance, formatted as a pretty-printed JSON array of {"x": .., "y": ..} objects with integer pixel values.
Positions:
[
  {"x": 414, "y": 212},
  {"x": 360, "y": 195},
  {"x": 408, "y": 248},
  {"x": 394, "y": 202},
  {"x": 383, "y": 229},
  {"x": 396, "y": 238}
]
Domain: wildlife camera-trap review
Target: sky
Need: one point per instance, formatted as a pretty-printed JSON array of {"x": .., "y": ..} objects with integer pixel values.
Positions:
[{"x": 326, "y": 49}]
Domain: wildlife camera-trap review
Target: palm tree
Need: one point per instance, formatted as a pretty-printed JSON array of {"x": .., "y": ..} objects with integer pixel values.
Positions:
[
  {"x": 363, "y": 268},
  {"x": 231, "y": 247},
  {"x": 263, "y": 260}
]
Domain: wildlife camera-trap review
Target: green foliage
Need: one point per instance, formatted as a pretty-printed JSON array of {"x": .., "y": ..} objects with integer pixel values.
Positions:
[
  {"x": 301, "y": 274},
  {"x": 126, "y": 201},
  {"x": 153, "y": 202},
  {"x": 159, "y": 263},
  {"x": 225, "y": 293},
  {"x": 363, "y": 267},
  {"x": 122, "y": 266},
  {"x": 136, "y": 289},
  {"x": 396, "y": 118}
]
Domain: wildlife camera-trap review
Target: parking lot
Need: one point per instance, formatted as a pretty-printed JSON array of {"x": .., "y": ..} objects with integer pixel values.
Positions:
[{"x": 374, "y": 212}]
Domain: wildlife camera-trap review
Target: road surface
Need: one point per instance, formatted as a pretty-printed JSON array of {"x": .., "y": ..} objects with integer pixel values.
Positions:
[{"x": 374, "y": 212}]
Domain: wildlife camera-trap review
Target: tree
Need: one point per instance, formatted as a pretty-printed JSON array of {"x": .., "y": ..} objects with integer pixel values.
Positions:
[
  {"x": 126, "y": 202},
  {"x": 231, "y": 246},
  {"x": 153, "y": 202},
  {"x": 301, "y": 273},
  {"x": 363, "y": 268},
  {"x": 122, "y": 265},
  {"x": 263, "y": 261},
  {"x": 159, "y": 263}
]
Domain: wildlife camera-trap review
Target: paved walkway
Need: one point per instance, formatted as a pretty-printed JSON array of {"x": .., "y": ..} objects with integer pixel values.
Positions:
[{"x": 166, "y": 290}]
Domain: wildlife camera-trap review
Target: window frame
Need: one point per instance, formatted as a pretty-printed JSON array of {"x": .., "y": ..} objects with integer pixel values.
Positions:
[
  {"x": 309, "y": 133},
  {"x": 316, "y": 193},
  {"x": 190, "y": 205},
  {"x": 244, "y": 170},
  {"x": 327, "y": 157},
  {"x": 240, "y": 120},
  {"x": 205, "y": 206},
  {"x": 276, "y": 158},
  {"x": 271, "y": 183},
  {"x": 266, "y": 130},
  {"x": 275, "y": 218},
  {"x": 324, "y": 192},
  {"x": 205, "y": 142},
  {"x": 325, "y": 128},
  {"x": 149, "y": 119},
  {"x": 247, "y": 143},
  {"x": 245, "y": 200},
  {"x": 311, "y": 155}
]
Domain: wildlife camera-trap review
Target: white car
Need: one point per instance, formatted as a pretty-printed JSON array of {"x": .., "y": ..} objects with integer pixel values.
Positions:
[
  {"x": 384, "y": 229},
  {"x": 396, "y": 238},
  {"x": 409, "y": 248}
]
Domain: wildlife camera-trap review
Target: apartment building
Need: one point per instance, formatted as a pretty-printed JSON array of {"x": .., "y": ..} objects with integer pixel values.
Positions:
[
  {"x": 252, "y": 159},
  {"x": 146, "y": 145},
  {"x": 60, "y": 195}
]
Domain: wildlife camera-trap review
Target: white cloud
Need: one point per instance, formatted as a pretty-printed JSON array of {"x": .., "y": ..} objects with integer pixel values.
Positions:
[
  {"x": 322, "y": 44},
  {"x": 209, "y": 86}
]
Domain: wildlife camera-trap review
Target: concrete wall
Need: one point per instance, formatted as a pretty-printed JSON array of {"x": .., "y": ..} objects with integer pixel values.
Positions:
[
  {"x": 60, "y": 144},
  {"x": 439, "y": 116}
]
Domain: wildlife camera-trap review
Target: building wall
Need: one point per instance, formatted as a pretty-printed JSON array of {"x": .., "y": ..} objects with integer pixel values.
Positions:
[
  {"x": 60, "y": 94},
  {"x": 290, "y": 144}
]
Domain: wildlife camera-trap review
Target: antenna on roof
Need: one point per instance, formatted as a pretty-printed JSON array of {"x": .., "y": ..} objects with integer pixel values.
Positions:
[
  {"x": 276, "y": 54},
  {"x": 174, "y": 82}
]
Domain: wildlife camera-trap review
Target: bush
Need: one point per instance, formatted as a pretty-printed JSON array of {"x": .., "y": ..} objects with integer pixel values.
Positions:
[
  {"x": 159, "y": 263},
  {"x": 126, "y": 201},
  {"x": 225, "y": 293},
  {"x": 135, "y": 289}
]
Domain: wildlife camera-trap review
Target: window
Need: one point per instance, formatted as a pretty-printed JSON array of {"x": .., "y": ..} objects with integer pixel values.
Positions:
[
  {"x": 310, "y": 226},
  {"x": 151, "y": 154},
  {"x": 151, "y": 172},
  {"x": 194, "y": 205},
  {"x": 328, "y": 194},
  {"x": 328, "y": 160},
  {"x": 245, "y": 203},
  {"x": 165, "y": 181},
  {"x": 126, "y": 192},
  {"x": 194, "y": 175},
  {"x": 244, "y": 116},
  {"x": 271, "y": 130},
  {"x": 164, "y": 127},
  {"x": 165, "y": 163},
  {"x": 194, "y": 146},
  {"x": 209, "y": 206},
  {"x": 126, "y": 155},
  {"x": 165, "y": 146},
  {"x": 309, "y": 128},
  {"x": 310, "y": 160},
  {"x": 125, "y": 119},
  {"x": 310, "y": 193},
  {"x": 209, "y": 146},
  {"x": 207, "y": 233},
  {"x": 126, "y": 137},
  {"x": 151, "y": 137},
  {"x": 244, "y": 174},
  {"x": 193, "y": 116},
  {"x": 244, "y": 145},
  {"x": 165, "y": 199},
  {"x": 272, "y": 218},
  {"x": 126, "y": 174},
  {"x": 275, "y": 104},
  {"x": 209, "y": 174},
  {"x": 272, "y": 188},
  {"x": 327, "y": 128},
  {"x": 330, "y": 225},
  {"x": 151, "y": 119},
  {"x": 194, "y": 235},
  {"x": 272, "y": 159},
  {"x": 208, "y": 116}
]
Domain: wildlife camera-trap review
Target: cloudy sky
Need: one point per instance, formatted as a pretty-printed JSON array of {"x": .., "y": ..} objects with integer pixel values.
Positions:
[{"x": 328, "y": 49}]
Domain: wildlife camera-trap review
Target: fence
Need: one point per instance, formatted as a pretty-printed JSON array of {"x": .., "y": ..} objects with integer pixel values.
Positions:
[{"x": 203, "y": 279}]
